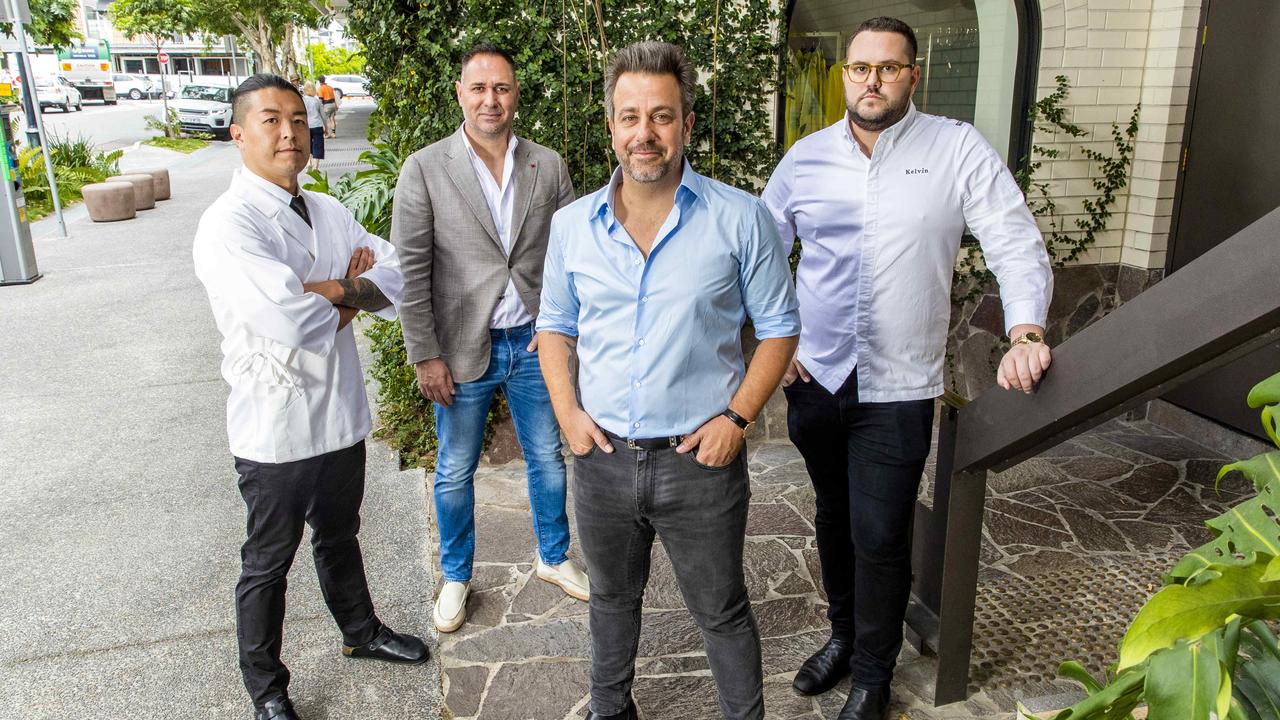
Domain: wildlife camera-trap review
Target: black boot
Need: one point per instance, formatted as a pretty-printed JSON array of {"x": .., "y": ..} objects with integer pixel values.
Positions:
[
  {"x": 825, "y": 668},
  {"x": 864, "y": 704}
]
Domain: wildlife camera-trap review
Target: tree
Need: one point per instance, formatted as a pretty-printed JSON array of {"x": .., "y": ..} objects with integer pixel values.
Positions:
[
  {"x": 268, "y": 27},
  {"x": 335, "y": 61},
  {"x": 52, "y": 23},
  {"x": 156, "y": 21}
]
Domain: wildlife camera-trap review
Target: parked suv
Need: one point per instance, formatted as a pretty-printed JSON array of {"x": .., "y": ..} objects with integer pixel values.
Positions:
[
  {"x": 205, "y": 108},
  {"x": 348, "y": 85},
  {"x": 57, "y": 92},
  {"x": 136, "y": 87}
]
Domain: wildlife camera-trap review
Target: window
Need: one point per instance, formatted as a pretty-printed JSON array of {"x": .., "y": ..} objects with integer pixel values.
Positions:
[
  {"x": 215, "y": 66},
  {"x": 973, "y": 57}
]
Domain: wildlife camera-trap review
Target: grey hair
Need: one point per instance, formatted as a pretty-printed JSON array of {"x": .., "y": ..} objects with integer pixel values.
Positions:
[{"x": 651, "y": 58}]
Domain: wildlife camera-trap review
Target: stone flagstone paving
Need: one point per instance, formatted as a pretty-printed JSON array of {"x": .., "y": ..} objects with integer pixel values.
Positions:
[{"x": 1075, "y": 541}]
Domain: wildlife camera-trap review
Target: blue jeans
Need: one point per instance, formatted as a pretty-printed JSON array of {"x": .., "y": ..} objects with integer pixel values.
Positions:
[{"x": 460, "y": 432}]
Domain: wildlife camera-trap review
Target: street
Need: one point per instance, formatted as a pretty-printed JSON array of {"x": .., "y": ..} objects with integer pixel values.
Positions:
[{"x": 108, "y": 126}]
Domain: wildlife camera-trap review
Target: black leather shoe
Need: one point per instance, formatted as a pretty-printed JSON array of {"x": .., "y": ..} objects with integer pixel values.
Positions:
[
  {"x": 278, "y": 709},
  {"x": 864, "y": 704},
  {"x": 391, "y": 646},
  {"x": 628, "y": 713},
  {"x": 825, "y": 668}
]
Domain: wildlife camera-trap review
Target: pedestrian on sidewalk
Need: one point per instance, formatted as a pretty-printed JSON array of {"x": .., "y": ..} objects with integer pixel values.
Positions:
[
  {"x": 470, "y": 219},
  {"x": 329, "y": 99},
  {"x": 315, "y": 124},
  {"x": 879, "y": 201},
  {"x": 286, "y": 271},
  {"x": 652, "y": 277}
]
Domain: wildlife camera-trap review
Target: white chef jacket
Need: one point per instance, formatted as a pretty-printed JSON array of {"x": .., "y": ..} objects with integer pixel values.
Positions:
[
  {"x": 297, "y": 389},
  {"x": 879, "y": 238}
]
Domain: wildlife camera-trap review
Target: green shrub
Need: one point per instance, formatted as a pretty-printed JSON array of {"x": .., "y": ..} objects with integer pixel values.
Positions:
[{"x": 75, "y": 164}]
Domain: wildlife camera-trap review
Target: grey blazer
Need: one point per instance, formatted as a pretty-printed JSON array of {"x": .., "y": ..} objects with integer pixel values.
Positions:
[{"x": 455, "y": 269}]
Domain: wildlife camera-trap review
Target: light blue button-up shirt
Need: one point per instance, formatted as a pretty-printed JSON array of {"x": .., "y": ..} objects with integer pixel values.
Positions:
[{"x": 659, "y": 340}]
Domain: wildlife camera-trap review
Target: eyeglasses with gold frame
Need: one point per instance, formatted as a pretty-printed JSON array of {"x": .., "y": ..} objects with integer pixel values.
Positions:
[{"x": 860, "y": 72}]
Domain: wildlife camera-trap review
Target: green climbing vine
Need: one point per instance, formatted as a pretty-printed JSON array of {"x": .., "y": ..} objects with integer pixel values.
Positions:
[{"x": 1065, "y": 244}]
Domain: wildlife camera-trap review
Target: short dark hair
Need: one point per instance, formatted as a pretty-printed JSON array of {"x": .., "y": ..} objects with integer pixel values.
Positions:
[
  {"x": 888, "y": 24},
  {"x": 320, "y": 79},
  {"x": 254, "y": 83},
  {"x": 485, "y": 47},
  {"x": 651, "y": 58}
]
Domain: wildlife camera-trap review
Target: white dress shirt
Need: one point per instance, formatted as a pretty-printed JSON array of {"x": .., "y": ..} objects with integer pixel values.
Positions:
[
  {"x": 879, "y": 237},
  {"x": 511, "y": 311},
  {"x": 297, "y": 390}
]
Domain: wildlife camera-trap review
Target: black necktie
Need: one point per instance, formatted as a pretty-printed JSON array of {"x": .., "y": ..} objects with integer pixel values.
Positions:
[{"x": 300, "y": 206}]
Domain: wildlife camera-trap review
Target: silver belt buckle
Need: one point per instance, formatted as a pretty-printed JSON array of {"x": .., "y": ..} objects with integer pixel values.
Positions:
[{"x": 631, "y": 443}]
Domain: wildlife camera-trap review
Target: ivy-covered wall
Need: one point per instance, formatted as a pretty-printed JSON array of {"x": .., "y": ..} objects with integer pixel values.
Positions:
[{"x": 413, "y": 49}]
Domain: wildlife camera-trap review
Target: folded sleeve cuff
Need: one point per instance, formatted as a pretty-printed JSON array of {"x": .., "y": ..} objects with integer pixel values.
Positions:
[{"x": 777, "y": 326}]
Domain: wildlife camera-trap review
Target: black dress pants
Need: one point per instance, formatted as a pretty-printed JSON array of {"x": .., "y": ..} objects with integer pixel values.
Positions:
[
  {"x": 324, "y": 492},
  {"x": 865, "y": 461}
]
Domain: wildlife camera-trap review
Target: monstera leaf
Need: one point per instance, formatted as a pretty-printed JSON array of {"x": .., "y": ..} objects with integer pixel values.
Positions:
[
  {"x": 1254, "y": 526},
  {"x": 1189, "y": 612},
  {"x": 1244, "y": 530}
]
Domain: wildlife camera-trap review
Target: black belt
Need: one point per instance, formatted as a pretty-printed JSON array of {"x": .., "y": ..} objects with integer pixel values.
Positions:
[{"x": 658, "y": 443}]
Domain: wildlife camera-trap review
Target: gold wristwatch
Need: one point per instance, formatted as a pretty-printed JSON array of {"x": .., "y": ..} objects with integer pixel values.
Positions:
[{"x": 1027, "y": 338}]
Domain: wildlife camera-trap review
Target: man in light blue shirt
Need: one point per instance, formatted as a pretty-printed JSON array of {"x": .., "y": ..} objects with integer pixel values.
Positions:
[{"x": 653, "y": 277}]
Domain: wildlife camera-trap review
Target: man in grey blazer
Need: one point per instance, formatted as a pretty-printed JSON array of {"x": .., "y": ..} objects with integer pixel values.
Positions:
[{"x": 470, "y": 221}]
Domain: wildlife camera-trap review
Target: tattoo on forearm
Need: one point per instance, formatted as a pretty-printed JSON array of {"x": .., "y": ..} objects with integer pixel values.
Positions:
[{"x": 363, "y": 294}]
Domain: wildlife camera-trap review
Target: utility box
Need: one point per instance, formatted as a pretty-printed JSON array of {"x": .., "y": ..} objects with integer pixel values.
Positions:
[{"x": 17, "y": 254}]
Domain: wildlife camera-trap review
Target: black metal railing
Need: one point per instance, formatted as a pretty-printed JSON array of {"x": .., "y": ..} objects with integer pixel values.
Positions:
[{"x": 1216, "y": 309}]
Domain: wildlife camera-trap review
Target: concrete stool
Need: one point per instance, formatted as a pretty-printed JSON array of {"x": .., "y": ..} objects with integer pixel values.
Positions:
[
  {"x": 160, "y": 176},
  {"x": 144, "y": 190},
  {"x": 109, "y": 201}
]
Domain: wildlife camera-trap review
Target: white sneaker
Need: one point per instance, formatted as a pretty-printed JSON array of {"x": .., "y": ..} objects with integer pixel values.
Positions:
[
  {"x": 569, "y": 577},
  {"x": 451, "y": 606}
]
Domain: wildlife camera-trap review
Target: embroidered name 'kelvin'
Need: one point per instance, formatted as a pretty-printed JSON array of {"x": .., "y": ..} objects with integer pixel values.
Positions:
[{"x": 917, "y": 171}]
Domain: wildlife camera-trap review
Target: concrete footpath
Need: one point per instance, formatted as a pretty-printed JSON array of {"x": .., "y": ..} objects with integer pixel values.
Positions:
[{"x": 120, "y": 521}]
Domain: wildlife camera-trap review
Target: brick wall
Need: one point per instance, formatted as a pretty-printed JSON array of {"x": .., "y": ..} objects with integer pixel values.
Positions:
[{"x": 1117, "y": 53}]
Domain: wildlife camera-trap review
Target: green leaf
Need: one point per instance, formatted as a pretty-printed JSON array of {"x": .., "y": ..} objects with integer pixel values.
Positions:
[
  {"x": 1244, "y": 530},
  {"x": 1266, "y": 395},
  {"x": 1272, "y": 572},
  {"x": 1188, "y": 612},
  {"x": 1183, "y": 683}
]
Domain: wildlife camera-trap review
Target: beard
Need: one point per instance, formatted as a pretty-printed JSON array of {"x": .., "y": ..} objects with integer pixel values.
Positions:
[
  {"x": 875, "y": 122},
  {"x": 649, "y": 172}
]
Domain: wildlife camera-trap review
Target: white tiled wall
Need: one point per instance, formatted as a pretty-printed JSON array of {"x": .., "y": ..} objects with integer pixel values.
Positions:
[{"x": 1117, "y": 53}]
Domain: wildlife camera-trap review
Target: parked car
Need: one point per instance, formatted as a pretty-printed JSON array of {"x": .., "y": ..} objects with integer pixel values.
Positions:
[
  {"x": 348, "y": 85},
  {"x": 136, "y": 87},
  {"x": 205, "y": 108},
  {"x": 57, "y": 92}
]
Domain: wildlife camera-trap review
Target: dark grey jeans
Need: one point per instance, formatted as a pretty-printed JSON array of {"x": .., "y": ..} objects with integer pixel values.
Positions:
[{"x": 621, "y": 500}]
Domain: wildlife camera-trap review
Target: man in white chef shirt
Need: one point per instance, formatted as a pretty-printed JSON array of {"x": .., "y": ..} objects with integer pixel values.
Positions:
[
  {"x": 286, "y": 271},
  {"x": 880, "y": 201}
]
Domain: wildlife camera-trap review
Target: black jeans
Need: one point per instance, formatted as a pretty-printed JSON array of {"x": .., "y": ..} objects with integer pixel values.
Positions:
[
  {"x": 865, "y": 461},
  {"x": 324, "y": 492},
  {"x": 622, "y": 499}
]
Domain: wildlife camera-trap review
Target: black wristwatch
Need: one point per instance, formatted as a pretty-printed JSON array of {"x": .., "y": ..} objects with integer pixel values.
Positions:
[{"x": 738, "y": 420}]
